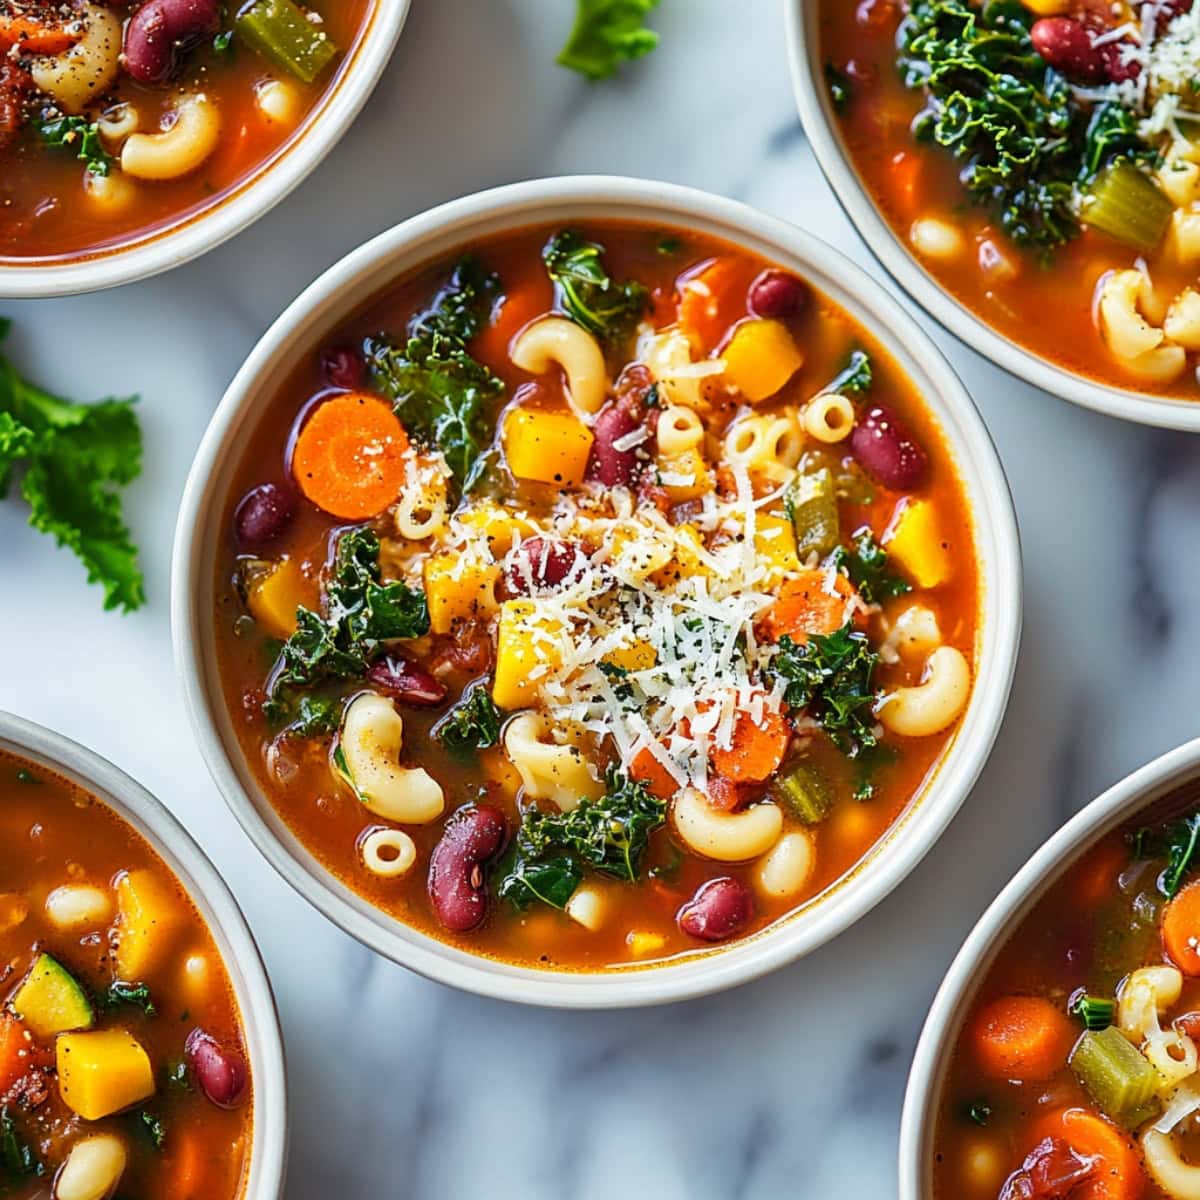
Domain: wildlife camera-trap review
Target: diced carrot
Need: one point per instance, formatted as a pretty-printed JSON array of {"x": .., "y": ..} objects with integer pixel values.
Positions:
[
  {"x": 349, "y": 457},
  {"x": 906, "y": 180},
  {"x": 646, "y": 769},
  {"x": 515, "y": 310},
  {"x": 1022, "y": 1037},
  {"x": 805, "y": 607},
  {"x": 1098, "y": 876},
  {"x": 184, "y": 1159},
  {"x": 14, "y": 1051},
  {"x": 34, "y": 36},
  {"x": 1117, "y": 1173},
  {"x": 1181, "y": 929},
  {"x": 714, "y": 299},
  {"x": 756, "y": 750}
]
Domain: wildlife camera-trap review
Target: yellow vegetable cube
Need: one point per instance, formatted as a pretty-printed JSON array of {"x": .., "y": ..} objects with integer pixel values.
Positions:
[
  {"x": 761, "y": 357},
  {"x": 547, "y": 447},
  {"x": 274, "y": 594},
  {"x": 686, "y": 476},
  {"x": 638, "y": 656},
  {"x": 1048, "y": 8},
  {"x": 102, "y": 1072},
  {"x": 917, "y": 544},
  {"x": 150, "y": 915},
  {"x": 775, "y": 544},
  {"x": 526, "y": 642},
  {"x": 495, "y": 524},
  {"x": 641, "y": 943},
  {"x": 459, "y": 589},
  {"x": 686, "y": 561}
]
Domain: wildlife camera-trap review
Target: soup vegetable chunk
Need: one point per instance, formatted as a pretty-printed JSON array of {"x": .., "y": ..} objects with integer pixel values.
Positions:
[
  {"x": 1075, "y": 1076},
  {"x": 596, "y": 597},
  {"x": 1039, "y": 156},
  {"x": 121, "y": 1063},
  {"x": 117, "y": 118}
]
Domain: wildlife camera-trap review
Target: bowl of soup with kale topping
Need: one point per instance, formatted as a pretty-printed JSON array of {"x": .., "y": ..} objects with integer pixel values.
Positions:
[
  {"x": 592, "y": 585},
  {"x": 1008, "y": 159}
]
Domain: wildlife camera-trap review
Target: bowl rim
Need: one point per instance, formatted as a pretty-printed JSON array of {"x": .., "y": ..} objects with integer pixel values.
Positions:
[
  {"x": 1113, "y": 807},
  {"x": 441, "y": 231},
  {"x": 819, "y": 124},
  {"x": 218, "y": 907},
  {"x": 255, "y": 194}
]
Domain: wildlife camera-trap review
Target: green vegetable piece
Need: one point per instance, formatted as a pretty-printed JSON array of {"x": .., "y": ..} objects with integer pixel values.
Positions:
[
  {"x": 841, "y": 90},
  {"x": 807, "y": 792},
  {"x": 855, "y": 377},
  {"x": 551, "y": 881},
  {"x": 78, "y": 134},
  {"x": 811, "y": 503},
  {"x": 1095, "y": 1012},
  {"x": 979, "y": 1112},
  {"x": 472, "y": 724},
  {"x": 51, "y": 1000},
  {"x": 1128, "y": 205},
  {"x": 1183, "y": 846},
  {"x": 16, "y": 1155},
  {"x": 1118, "y": 1077},
  {"x": 151, "y": 1128},
  {"x": 606, "y": 34},
  {"x": 283, "y": 35},
  {"x": 135, "y": 995},
  {"x": 591, "y": 298},
  {"x": 865, "y": 565}
]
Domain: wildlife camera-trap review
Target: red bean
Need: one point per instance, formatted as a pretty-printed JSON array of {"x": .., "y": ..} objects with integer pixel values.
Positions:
[
  {"x": 406, "y": 682},
  {"x": 542, "y": 564},
  {"x": 777, "y": 294},
  {"x": 161, "y": 30},
  {"x": 1067, "y": 46},
  {"x": 883, "y": 443},
  {"x": 719, "y": 909},
  {"x": 457, "y": 884},
  {"x": 343, "y": 368},
  {"x": 1168, "y": 10},
  {"x": 220, "y": 1071},
  {"x": 613, "y": 467},
  {"x": 263, "y": 514}
]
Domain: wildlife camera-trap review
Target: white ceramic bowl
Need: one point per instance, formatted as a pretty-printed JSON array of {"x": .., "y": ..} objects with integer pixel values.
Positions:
[
  {"x": 821, "y": 126},
  {"x": 173, "y": 844},
  {"x": 1121, "y": 802},
  {"x": 438, "y": 234},
  {"x": 259, "y": 192}
]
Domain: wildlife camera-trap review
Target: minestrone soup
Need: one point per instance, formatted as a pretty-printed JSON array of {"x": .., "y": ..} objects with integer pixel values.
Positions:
[
  {"x": 596, "y": 597},
  {"x": 1040, "y": 160},
  {"x": 118, "y": 119},
  {"x": 122, "y": 1067}
]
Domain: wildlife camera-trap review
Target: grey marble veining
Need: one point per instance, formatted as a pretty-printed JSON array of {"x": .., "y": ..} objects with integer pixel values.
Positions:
[{"x": 787, "y": 1087}]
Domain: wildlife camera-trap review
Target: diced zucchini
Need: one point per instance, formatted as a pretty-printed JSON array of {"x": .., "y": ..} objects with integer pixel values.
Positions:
[
  {"x": 812, "y": 505},
  {"x": 1127, "y": 204},
  {"x": 285, "y": 37},
  {"x": 1119, "y": 1078},
  {"x": 807, "y": 792},
  {"x": 51, "y": 1000}
]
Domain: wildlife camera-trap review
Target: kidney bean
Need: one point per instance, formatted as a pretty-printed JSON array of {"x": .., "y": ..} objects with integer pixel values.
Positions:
[
  {"x": 719, "y": 909},
  {"x": 457, "y": 885},
  {"x": 407, "y": 682},
  {"x": 541, "y": 564},
  {"x": 778, "y": 294},
  {"x": 1066, "y": 45},
  {"x": 883, "y": 443},
  {"x": 219, "y": 1070},
  {"x": 1168, "y": 10},
  {"x": 161, "y": 30},
  {"x": 343, "y": 368},
  {"x": 1115, "y": 66},
  {"x": 263, "y": 514},
  {"x": 613, "y": 467}
]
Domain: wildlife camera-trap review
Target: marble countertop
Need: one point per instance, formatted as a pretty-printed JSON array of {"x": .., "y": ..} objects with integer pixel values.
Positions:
[{"x": 789, "y": 1086}]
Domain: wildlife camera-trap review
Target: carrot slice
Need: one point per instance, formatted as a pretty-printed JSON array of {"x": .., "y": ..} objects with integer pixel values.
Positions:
[
  {"x": 756, "y": 750},
  {"x": 646, "y": 769},
  {"x": 349, "y": 457},
  {"x": 1022, "y": 1037},
  {"x": 1181, "y": 929},
  {"x": 1117, "y": 1174},
  {"x": 33, "y": 36},
  {"x": 514, "y": 312},
  {"x": 804, "y": 607},
  {"x": 14, "y": 1051},
  {"x": 714, "y": 299}
]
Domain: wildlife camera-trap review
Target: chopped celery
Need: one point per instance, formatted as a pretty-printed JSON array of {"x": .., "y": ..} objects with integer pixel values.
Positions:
[
  {"x": 1127, "y": 204},
  {"x": 1118, "y": 1077},
  {"x": 811, "y": 503},
  {"x": 807, "y": 792},
  {"x": 283, "y": 35}
]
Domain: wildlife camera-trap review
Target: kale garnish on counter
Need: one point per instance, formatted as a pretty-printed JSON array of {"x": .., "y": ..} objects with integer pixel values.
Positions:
[
  {"x": 607, "y": 33},
  {"x": 590, "y": 297}
]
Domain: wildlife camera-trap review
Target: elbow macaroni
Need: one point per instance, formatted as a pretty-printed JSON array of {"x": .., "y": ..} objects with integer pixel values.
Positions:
[
  {"x": 178, "y": 149},
  {"x": 549, "y": 771},
  {"x": 1179, "y": 1179},
  {"x": 84, "y": 73},
  {"x": 725, "y": 836},
  {"x": 933, "y": 704},
  {"x": 555, "y": 340}
]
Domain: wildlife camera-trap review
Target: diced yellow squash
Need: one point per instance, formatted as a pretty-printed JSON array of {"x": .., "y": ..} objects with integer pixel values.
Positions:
[
  {"x": 642, "y": 943},
  {"x": 527, "y": 640},
  {"x": 775, "y": 544},
  {"x": 150, "y": 915},
  {"x": 51, "y": 1000},
  {"x": 459, "y": 589},
  {"x": 761, "y": 357},
  {"x": 102, "y": 1072},
  {"x": 686, "y": 476},
  {"x": 639, "y": 655},
  {"x": 547, "y": 447},
  {"x": 917, "y": 544},
  {"x": 639, "y": 551},
  {"x": 274, "y": 595},
  {"x": 685, "y": 561},
  {"x": 496, "y": 525}
]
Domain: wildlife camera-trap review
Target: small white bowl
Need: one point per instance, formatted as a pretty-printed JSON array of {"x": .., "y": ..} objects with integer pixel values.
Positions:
[
  {"x": 207, "y": 890},
  {"x": 1121, "y": 802},
  {"x": 182, "y": 240},
  {"x": 821, "y": 125},
  {"x": 438, "y": 234}
]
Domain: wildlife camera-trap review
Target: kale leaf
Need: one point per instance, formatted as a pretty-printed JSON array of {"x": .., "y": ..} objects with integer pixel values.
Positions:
[
  {"x": 550, "y": 880},
  {"x": 855, "y": 377},
  {"x": 1183, "y": 849},
  {"x": 830, "y": 676},
  {"x": 151, "y": 1128},
  {"x": 76, "y": 458},
  {"x": 16, "y": 1156},
  {"x": 840, "y": 88},
  {"x": 472, "y": 724},
  {"x": 78, "y": 134},
  {"x": 866, "y": 567},
  {"x": 607, "y": 309},
  {"x": 440, "y": 392},
  {"x": 606, "y": 34},
  {"x": 137, "y": 995}
]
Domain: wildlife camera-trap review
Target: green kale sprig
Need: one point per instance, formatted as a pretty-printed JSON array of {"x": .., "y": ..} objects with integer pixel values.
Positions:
[
  {"x": 607, "y": 33},
  {"x": 866, "y": 566},
  {"x": 472, "y": 724},
  {"x": 856, "y": 377},
  {"x": 17, "y": 1156},
  {"x": 589, "y": 296},
  {"x": 77, "y": 134}
]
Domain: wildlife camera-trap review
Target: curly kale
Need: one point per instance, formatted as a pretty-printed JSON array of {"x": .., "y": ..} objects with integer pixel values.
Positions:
[
  {"x": 866, "y": 566},
  {"x": 472, "y": 724},
  {"x": 591, "y": 298},
  {"x": 77, "y": 134}
]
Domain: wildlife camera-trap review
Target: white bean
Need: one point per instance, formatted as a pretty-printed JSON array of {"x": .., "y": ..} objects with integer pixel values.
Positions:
[
  {"x": 79, "y": 905},
  {"x": 92, "y": 1169}
]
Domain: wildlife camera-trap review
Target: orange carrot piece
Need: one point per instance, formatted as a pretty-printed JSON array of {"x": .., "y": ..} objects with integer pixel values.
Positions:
[
  {"x": 349, "y": 457},
  {"x": 184, "y": 1159},
  {"x": 714, "y": 299},
  {"x": 515, "y": 310},
  {"x": 727, "y": 796},
  {"x": 906, "y": 179},
  {"x": 1118, "y": 1173},
  {"x": 34, "y": 36},
  {"x": 14, "y": 1051},
  {"x": 757, "y": 750},
  {"x": 1022, "y": 1037},
  {"x": 1181, "y": 929},
  {"x": 646, "y": 769},
  {"x": 804, "y": 607}
]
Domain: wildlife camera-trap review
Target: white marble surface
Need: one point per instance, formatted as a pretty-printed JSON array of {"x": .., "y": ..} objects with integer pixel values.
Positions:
[{"x": 790, "y": 1086}]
